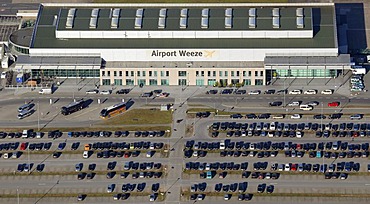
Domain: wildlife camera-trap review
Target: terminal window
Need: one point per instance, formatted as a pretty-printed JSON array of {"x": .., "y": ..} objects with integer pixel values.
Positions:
[
  {"x": 115, "y": 73},
  {"x": 261, "y": 73},
  {"x": 103, "y": 73},
  {"x": 255, "y": 73},
  {"x": 127, "y": 73},
  {"x": 232, "y": 73},
  {"x": 182, "y": 74},
  {"x": 138, "y": 73},
  {"x": 108, "y": 73},
  {"x": 249, "y": 73},
  {"x": 226, "y": 74},
  {"x": 220, "y": 73},
  {"x": 120, "y": 73},
  {"x": 144, "y": 73},
  {"x": 155, "y": 73},
  {"x": 214, "y": 73}
]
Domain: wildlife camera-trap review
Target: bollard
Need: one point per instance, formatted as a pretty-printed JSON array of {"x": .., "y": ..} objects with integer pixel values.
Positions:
[
  {"x": 98, "y": 100},
  {"x": 74, "y": 100},
  {"x": 51, "y": 101},
  {"x": 123, "y": 100}
]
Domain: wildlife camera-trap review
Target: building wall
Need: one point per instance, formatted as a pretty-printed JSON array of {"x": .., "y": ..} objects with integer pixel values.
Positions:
[{"x": 183, "y": 76}]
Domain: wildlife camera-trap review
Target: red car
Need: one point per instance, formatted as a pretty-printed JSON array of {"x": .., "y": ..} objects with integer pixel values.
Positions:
[
  {"x": 23, "y": 146},
  {"x": 333, "y": 104},
  {"x": 294, "y": 167}
]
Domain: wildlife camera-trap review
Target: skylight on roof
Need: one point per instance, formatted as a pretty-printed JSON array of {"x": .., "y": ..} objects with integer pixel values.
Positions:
[
  {"x": 163, "y": 12},
  {"x": 276, "y": 12},
  {"x": 138, "y": 22},
  {"x": 116, "y": 12},
  {"x": 114, "y": 23},
  {"x": 184, "y": 12},
  {"x": 205, "y": 12},
  {"x": 252, "y": 12},
  {"x": 183, "y": 22},
  {"x": 161, "y": 22},
  {"x": 252, "y": 22},
  {"x": 95, "y": 12},
  {"x": 139, "y": 12},
  {"x": 228, "y": 22},
  {"x": 93, "y": 22},
  {"x": 300, "y": 22},
  {"x": 228, "y": 12},
  {"x": 204, "y": 22},
  {"x": 299, "y": 12},
  {"x": 276, "y": 22}
]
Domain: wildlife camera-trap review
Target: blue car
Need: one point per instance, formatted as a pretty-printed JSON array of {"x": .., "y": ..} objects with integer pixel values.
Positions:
[
  {"x": 61, "y": 145},
  {"x": 318, "y": 154}
]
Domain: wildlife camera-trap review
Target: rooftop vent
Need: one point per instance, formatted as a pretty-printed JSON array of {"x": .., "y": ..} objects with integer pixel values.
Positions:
[
  {"x": 93, "y": 22},
  {"x": 163, "y": 12},
  {"x": 116, "y": 12},
  {"x": 300, "y": 22},
  {"x": 95, "y": 12},
  {"x": 162, "y": 22},
  {"x": 276, "y": 22},
  {"x": 184, "y": 12},
  {"x": 70, "y": 17},
  {"x": 299, "y": 12},
  {"x": 228, "y": 22},
  {"x": 204, "y": 22},
  {"x": 114, "y": 23}
]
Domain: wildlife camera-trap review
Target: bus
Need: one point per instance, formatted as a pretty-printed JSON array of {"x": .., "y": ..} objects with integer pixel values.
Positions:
[
  {"x": 27, "y": 106},
  {"x": 113, "y": 110},
  {"x": 25, "y": 113},
  {"x": 72, "y": 107}
]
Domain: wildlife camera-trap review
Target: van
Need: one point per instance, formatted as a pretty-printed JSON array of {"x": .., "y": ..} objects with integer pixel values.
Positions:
[
  {"x": 327, "y": 91},
  {"x": 294, "y": 103},
  {"x": 209, "y": 175},
  {"x": 25, "y": 113},
  {"x": 25, "y": 133},
  {"x": 38, "y": 135},
  {"x": 306, "y": 107},
  {"x": 85, "y": 155}
]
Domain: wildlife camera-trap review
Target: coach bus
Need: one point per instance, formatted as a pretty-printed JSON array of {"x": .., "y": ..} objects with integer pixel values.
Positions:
[
  {"x": 25, "y": 113},
  {"x": 27, "y": 106},
  {"x": 72, "y": 107},
  {"x": 113, "y": 110}
]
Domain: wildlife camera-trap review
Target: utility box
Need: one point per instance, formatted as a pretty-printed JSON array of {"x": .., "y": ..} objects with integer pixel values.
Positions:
[
  {"x": 20, "y": 78},
  {"x": 5, "y": 62}
]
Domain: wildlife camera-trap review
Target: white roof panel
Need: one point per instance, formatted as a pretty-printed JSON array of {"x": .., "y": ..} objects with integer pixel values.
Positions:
[
  {"x": 299, "y": 12},
  {"x": 228, "y": 12},
  {"x": 252, "y": 22},
  {"x": 161, "y": 22},
  {"x": 184, "y": 12},
  {"x": 163, "y": 12},
  {"x": 114, "y": 23},
  {"x": 205, "y": 12},
  {"x": 71, "y": 12},
  {"x": 276, "y": 12},
  {"x": 95, "y": 12},
  {"x": 69, "y": 22},
  {"x": 139, "y": 12},
  {"x": 116, "y": 12},
  {"x": 300, "y": 22},
  {"x": 276, "y": 22},
  {"x": 204, "y": 23},
  {"x": 252, "y": 12},
  {"x": 93, "y": 21},
  {"x": 228, "y": 22},
  {"x": 183, "y": 22},
  {"x": 138, "y": 22}
]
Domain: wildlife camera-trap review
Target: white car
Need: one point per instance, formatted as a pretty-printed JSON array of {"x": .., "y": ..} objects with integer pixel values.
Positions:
[
  {"x": 287, "y": 167},
  {"x": 3, "y": 75},
  {"x": 278, "y": 117},
  {"x": 310, "y": 92},
  {"x": 93, "y": 91},
  {"x": 294, "y": 103},
  {"x": 295, "y": 92},
  {"x": 312, "y": 103},
  {"x": 327, "y": 91},
  {"x": 106, "y": 92},
  {"x": 85, "y": 155},
  {"x": 256, "y": 92},
  {"x": 295, "y": 116},
  {"x": 298, "y": 134},
  {"x": 356, "y": 117}
]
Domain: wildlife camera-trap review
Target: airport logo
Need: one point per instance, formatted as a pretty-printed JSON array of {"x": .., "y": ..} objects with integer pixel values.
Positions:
[{"x": 182, "y": 53}]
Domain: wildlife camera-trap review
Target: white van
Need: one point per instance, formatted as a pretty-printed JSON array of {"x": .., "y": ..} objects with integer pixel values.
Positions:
[
  {"x": 294, "y": 103},
  {"x": 306, "y": 107},
  {"x": 85, "y": 155},
  {"x": 25, "y": 133}
]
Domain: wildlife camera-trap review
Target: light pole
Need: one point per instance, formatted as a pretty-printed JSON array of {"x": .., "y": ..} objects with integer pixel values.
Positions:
[
  {"x": 17, "y": 195},
  {"x": 38, "y": 115}
]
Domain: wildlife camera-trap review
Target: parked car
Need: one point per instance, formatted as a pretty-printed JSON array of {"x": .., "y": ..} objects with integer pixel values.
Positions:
[
  {"x": 311, "y": 91},
  {"x": 295, "y": 92},
  {"x": 92, "y": 91},
  {"x": 333, "y": 104}
]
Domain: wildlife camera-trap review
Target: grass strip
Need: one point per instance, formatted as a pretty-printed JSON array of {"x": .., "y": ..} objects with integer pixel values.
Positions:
[
  {"x": 95, "y": 128},
  {"x": 140, "y": 117}
]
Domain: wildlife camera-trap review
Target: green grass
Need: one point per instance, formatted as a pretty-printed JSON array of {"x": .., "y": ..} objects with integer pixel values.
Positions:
[
  {"x": 190, "y": 1},
  {"x": 141, "y": 117},
  {"x": 95, "y": 128}
]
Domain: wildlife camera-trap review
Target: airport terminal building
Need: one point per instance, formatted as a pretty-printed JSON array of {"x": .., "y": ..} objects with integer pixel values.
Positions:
[{"x": 182, "y": 44}]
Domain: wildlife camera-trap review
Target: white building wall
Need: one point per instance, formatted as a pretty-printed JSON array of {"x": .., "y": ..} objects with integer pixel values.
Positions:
[{"x": 174, "y": 54}]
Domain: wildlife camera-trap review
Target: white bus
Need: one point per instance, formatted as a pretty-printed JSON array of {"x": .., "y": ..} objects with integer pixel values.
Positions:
[
  {"x": 25, "y": 113},
  {"x": 27, "y": 106}
]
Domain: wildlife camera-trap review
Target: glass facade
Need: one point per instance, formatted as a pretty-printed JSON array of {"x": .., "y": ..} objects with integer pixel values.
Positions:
[
  {"x": 164, "y": 82},
  {"x": 118, "y": 82},
  {"x": 247, "y": 82},
  {"x": 64, "y": 73},
  {"x": 106, "y": 81},
  {"x": 182, "y": 82},
  {"x": 305, "y": 73},
  {"x": 258, "y": 82},
  {"x": 152, "y": 81},
  {"x": 211, "y": 82},
  {"x": 129, "y": 82},
  {"x": 141, "y": 81},
  {"x": 199, "y": 82}
]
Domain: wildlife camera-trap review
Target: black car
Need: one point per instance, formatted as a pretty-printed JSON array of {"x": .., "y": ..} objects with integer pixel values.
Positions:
[
  {"x": 335, "y": 116},
  {"x": 240, "y": 92},
  {"x": 251, "y": 116},
  {"x": 123, "y": 91},
  {"x": 155, "y": 187},
  {"x": 236, "y": 115},
  {"x": 275, "y": 103},
  {"x": 282, "y": 91},
  {"x": 270, "y": 189},
  {"x": 40, "y": 167},
  {"x": 261, "y": 188},
  {"x": 75, "y": 146},
  {"x": 264, "y": 116},
  {"x": 214, "y": 91},
  {"x": 319, "y": 116},
  {"x": 270, "y": 91}
]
